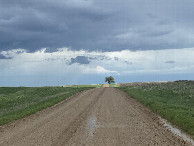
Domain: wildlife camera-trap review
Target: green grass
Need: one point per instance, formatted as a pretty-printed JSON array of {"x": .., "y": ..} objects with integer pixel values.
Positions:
[
  {"x": 18, "y": 102},
  {"x": 173, "y": 101}
]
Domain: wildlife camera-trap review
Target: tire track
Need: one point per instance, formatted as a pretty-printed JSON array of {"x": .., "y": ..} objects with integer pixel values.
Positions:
[{"x": 74, "y": 125}]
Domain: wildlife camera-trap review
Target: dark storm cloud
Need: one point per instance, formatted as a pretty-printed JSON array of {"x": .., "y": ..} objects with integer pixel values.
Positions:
[
  {"x": 96, "y": 24},
  {"x": 80, "y": 60}
]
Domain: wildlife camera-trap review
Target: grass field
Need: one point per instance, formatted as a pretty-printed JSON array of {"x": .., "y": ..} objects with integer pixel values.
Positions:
[
  {"x": 18, "y": 102},
  {"x": 173, "y": 101}
]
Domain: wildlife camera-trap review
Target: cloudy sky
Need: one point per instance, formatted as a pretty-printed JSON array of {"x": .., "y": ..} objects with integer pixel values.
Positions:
[{"x": 46, "y": 42}]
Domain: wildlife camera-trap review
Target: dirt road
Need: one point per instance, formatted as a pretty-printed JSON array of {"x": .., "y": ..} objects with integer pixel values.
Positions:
[
  {"x": 105, "y": 85},
  {"x": 99, "y": 117}
]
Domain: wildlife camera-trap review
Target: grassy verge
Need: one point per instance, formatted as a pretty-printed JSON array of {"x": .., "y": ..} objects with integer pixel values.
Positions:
[
  {"x": 173, "y": 101},
  {"x": 18, "y": 102}
]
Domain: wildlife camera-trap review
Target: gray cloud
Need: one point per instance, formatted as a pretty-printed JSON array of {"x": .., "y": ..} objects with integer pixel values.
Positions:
[
  {"x": 128, "y": 62},
  {"x": 32, "y": 61},
  {"x": 100, "y": 57},
  {"x": 157, "y": 33},
  {"x": 4, "y": 57},
  {"x": 170, "y": 62},
  {"x": 50, "y": 59},
  {"x": 116, "y": 58},
  {"x": 96, "y": 24},
  {"x": 80, "y": 60}
]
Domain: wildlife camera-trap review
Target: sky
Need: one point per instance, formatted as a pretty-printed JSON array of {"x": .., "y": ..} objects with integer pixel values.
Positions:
[{"x": 66, "y": 42}]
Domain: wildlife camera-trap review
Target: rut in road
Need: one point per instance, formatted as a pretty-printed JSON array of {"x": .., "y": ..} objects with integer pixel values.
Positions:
[{"x": 101, "y": 116}]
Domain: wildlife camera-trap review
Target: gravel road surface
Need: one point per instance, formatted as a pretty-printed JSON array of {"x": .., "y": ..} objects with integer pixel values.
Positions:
[{"x": 96, "y": 117}]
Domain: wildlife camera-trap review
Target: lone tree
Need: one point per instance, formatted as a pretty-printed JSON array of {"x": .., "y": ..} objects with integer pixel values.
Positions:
[{"x": 109, "y": 80}]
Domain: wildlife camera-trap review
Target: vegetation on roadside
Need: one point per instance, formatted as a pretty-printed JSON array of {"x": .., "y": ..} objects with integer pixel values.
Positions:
[
  {"x": 173, "y": 101},
  {"x": 18, "y": 102}
]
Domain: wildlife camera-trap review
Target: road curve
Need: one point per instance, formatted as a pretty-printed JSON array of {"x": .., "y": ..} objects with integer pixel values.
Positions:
[{"x": 96, "y": 117}]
